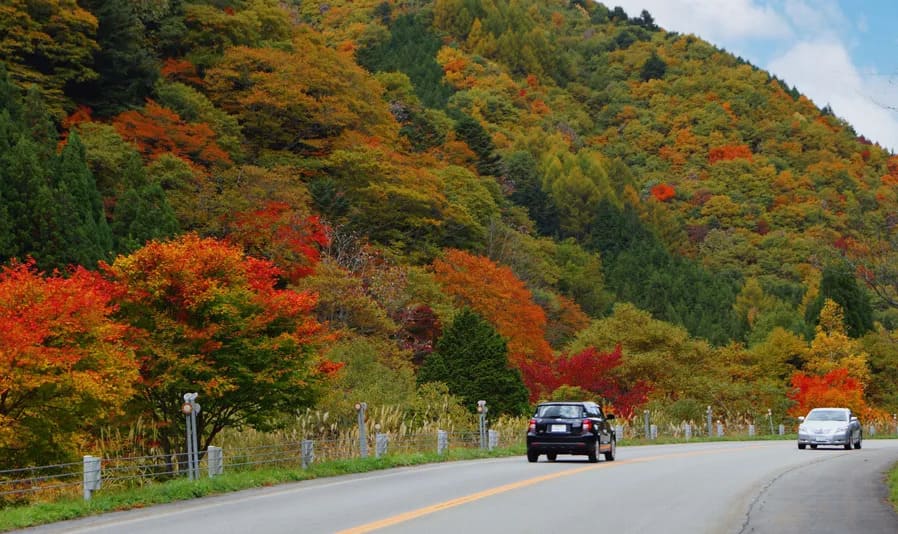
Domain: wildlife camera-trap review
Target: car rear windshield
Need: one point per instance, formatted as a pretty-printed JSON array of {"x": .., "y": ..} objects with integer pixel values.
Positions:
[
  {"x": 827, "y": 415},
  {"x": 563, "y": 411}
]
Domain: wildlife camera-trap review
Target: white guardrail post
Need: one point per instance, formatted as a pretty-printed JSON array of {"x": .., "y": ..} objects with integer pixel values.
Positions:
[
  {"x": 92, "y": 476},
  {"x": 442, "y": 442},
  {"x": 214, "y": 461},
  {"x": 380, "y": 444},
  {"x": 308, "y": 453}
]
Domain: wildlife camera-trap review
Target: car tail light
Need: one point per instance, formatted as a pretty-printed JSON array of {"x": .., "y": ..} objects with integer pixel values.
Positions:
[
  {"x": 532, "y": 427},
  {"x": 587, "y": 425}
]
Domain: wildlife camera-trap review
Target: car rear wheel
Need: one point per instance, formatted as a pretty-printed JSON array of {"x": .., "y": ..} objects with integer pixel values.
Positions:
[
  {"x": 532, "y": 456},
  {"x": 593, "y": 453},
  {"x": 609, "y": 456},
  {"x": 813, "y": 446},
  {"x": 801, "y": 446},
  {"x": 551, "y": 456}
]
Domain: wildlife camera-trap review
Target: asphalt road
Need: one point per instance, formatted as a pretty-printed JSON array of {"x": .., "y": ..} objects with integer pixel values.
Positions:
[{"x": 732, "y": 487}]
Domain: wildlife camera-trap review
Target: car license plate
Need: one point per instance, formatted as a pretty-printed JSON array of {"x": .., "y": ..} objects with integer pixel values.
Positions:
[{"x": 558, "y": 428}]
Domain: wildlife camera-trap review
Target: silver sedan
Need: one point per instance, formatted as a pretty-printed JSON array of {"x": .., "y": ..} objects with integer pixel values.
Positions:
[{"x": 830, "y": 426}]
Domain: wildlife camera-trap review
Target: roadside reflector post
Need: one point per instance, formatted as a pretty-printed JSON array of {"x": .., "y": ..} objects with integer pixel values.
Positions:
[
  {"x": 190, "y": 409},
  {"x": 482, "y": 410},
  {"x": 708, "y": 413}
]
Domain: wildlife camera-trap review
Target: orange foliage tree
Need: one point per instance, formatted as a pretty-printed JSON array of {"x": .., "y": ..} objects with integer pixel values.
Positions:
[
  {"x": 728, "y": 152},
  {"x": 64, "y": 366},
  {"x": 181, "y": 70},
  {"x": 210, "y": 319},
  {"x": 300, "y": 100},
  {"x": 835, "y": 388},
  {"x": 156, "y": 130},
  {"x": 498, "y": 295}
]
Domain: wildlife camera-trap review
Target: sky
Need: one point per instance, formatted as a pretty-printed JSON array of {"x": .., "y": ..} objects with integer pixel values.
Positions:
[{"x": 838, "y": 52}]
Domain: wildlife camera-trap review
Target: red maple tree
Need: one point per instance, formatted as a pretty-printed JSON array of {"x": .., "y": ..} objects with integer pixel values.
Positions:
[{"x": 589, "y": 370}]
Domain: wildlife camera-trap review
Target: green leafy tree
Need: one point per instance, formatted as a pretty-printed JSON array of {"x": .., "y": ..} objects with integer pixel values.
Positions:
[
  {"x": 49, "y": 44},
  {"x": 116, "y": 165},
  {"x": 209, "y": 319},
  {"x": 476, "y": 136},
  {"x": 654, "y": 68},
  {"x": 411, "y": 49},
  {"x": 840, "y": 284},
  {"x": 523, "y": 174},
  {"x": 472, "y": 359},
  {"x": 142, "y": 214},
  {"x": 639, "y": 269},
  {"x": 581, "y": 277}
]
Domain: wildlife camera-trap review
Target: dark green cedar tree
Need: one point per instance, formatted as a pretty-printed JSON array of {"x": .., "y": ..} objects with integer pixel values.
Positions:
[{"x": 471, "y": 358}]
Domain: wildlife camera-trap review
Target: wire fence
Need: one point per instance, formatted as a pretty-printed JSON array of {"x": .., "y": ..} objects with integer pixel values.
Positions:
[
  {"x": 29, "y": 483},
  {"x": 52, "y": 482}
]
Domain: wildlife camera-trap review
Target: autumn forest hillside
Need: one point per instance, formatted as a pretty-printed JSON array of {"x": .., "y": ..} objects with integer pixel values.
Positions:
[{"x": 291, "y": 204}]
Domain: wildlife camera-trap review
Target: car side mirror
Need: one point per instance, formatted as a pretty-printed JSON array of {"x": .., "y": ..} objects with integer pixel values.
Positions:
[
  {"x": 853, "y": 419},
  {"x": 801, "y": 419}
]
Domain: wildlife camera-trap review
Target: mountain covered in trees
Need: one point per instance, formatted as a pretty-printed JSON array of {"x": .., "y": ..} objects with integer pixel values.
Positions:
[{"x": 294, "y": 200}]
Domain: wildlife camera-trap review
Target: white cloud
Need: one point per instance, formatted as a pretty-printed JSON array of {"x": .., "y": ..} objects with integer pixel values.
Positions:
[
  {"x": 822, "y": 16},
  {"x": 824, "y": 72},
  {"x": 713, "y": 20}
]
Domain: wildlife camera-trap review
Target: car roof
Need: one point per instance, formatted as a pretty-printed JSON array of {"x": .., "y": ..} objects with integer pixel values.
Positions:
[{"x": 566, "y": 402}]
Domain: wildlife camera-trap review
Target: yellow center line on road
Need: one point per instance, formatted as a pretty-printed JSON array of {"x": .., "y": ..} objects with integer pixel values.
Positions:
[{"x": 452, "y": 503}]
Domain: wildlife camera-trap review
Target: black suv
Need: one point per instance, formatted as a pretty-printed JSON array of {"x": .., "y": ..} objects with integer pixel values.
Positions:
[{"x": 570, "y": 428}]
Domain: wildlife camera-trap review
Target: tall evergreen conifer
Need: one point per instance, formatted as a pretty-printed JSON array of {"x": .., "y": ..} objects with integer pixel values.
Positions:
[
  {"x": 82, "y": 219},
  {"x": 471, "y": 358},
  {"x": 473, "y": 133},
  {"x": 142, "y": 214},
  {"x": 840, "y": 285},
  {"x": 126, "y": 64}
]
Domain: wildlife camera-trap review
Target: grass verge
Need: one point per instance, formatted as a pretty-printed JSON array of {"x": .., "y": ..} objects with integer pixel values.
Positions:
[{"x": 892, "y": 483}]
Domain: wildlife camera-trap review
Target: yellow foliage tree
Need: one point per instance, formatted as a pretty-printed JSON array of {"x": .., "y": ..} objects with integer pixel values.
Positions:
[{"x": 832, "y": 349}]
